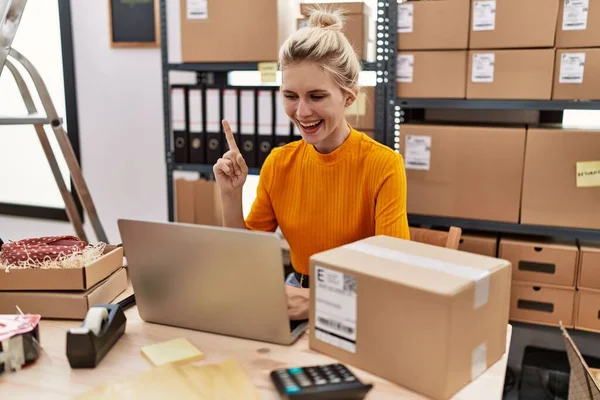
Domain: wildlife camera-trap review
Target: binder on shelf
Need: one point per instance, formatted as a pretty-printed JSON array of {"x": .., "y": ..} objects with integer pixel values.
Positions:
[
  {"x": 247, "y": 146},
  {"x": 214, "y": 129},
  {"x": 179, "y": 125},
  {"x": 283, "y": 125},
  {"x": 266, "y": 123},
  {"x": 197, "y": 140},
  {"x": 230, "y": 113}
]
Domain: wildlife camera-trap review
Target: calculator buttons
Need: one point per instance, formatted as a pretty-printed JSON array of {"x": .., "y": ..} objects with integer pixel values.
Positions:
[
  {"x": 292, "y": 389},
  {"x": 295, "y": 371}
]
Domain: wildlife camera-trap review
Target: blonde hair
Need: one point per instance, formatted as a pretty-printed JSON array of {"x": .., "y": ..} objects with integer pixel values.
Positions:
[{"x": 323, "y": 42}]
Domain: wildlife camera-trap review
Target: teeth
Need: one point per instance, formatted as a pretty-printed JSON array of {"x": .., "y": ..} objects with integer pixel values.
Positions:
[{"x": 310, "y": 125}]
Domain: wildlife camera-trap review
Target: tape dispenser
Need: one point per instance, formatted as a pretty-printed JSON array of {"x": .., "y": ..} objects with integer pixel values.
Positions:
[{"x": 87, "y": 345}]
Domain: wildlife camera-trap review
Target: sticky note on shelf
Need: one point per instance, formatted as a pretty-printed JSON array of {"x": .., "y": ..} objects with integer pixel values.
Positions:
[
  {"x": 176, "y": 351},
  {"x": 588, "y": 174},
  {"x": 268, "y": 72}
]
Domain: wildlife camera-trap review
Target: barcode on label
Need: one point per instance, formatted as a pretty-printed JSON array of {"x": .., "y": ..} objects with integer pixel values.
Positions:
[
  {"x": 349, "y": 283},
  {"x": 336, "y": 325}
]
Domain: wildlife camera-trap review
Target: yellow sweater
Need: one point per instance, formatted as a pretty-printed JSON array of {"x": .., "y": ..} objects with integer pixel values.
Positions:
[{"x": 322, "y": 201}]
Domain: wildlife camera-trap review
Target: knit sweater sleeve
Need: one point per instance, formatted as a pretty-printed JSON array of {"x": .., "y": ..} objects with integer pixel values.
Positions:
[{"x": 390, "y": 208}]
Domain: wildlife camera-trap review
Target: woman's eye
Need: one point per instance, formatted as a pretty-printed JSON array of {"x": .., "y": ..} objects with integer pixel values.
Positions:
[
  {"x": 290, "y": 96},
  {"x": 317, "y": 97}
]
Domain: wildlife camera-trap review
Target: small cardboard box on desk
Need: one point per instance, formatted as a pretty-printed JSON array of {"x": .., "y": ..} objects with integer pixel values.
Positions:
[{"x": 427, "y": 318}]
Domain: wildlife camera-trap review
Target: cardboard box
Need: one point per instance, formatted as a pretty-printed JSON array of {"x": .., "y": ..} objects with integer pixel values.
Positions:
[
  {"x": 509, "y": 24},
  {"x": 576, "y": 74},
  {"x": 361, "y": 114},
  {"x": 433, "y": 25},
  {"x": 198, "y": 202},
  {"x": 64, "y": 278},
  {"x": 589, "y": 266},
  {"x": 541, "y": 262},
  {"x": 579, "y": 26},
  {"x": 486, "y": 245},
  {"x": 434, "y": 74},
  {"x": 357, "y": 26},
  {"x": 542, "y": 304},
  {"x": 425, "y": 317},
  {"x": 554, "y": 192},
  {"x": 587, "y": 310},
  {"x": 510, "y": 74},
  {"x": 65, "y": 305},
  {"x": 472, "y": 172},
  {"x": 261, "y": 27}
]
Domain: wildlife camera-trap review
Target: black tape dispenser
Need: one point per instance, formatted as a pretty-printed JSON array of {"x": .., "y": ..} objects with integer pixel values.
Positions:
[{"x": 87, "y": 345}]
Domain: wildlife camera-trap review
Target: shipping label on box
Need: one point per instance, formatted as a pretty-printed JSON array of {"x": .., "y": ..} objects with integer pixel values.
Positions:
[
  {"x": 572, "y": 66},
  {"x": 484, "y": 15},
  {"x": 417, "y": 153},
  {"x": 483, "y": 67},
  {"x": 405, "y": 18},
  {"x": 575, "y": 15},
  {"x": 406, "y": 66}
]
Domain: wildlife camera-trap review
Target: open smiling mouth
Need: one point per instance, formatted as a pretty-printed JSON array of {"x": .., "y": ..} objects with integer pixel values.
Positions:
[{"x": 311, "y": 127}]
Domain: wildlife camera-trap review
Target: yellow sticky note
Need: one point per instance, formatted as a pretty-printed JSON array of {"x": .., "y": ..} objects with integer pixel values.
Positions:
[
  {"x": 268, "y": 72},
  {"x": 588, "y": 174},
  {"x": 359, "y": 107},
  {"x": 176, "y": 351}
]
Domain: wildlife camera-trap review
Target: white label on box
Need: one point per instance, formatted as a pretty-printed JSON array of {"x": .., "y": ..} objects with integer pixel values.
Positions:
[
  {"x": 417, "y": 153},
  {"x": 478, "y": 360},
  {"x": 483, "y": 67},
  {"x": 335, "y": 308},
  {"x": 575, "y": 15},
  {"x": 571, "y": 67},
  {"x": 405, "y": 68},
  {"x": 197, "y": 9},
  {"x": 484, "y": 15},
  {"x": 405, "y": 18}
]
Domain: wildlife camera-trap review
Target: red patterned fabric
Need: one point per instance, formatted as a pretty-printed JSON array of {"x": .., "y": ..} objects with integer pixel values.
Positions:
[{"x": 40, "y": 249}]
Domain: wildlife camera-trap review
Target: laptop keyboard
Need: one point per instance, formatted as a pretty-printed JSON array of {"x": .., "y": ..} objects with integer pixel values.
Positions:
[{"x": 295, "y": 323}]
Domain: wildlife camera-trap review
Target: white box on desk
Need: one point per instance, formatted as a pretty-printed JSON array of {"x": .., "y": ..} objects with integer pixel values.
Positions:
[{"x": 427, "y": 318}]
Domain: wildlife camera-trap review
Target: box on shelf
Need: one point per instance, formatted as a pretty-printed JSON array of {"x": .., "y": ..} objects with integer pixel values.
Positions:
[
  {"x": 542, "y": 304},
  {"x": 485, "y": 245},
  {"x": 578, "y": 25},
  {"x": 509, "y": 24},
  {"x": 433, "y": 25},
  {"x": 587, "y": 307},
  {"x": 449, "y": 318},
  {"x": 589, "y": 266},
  {"x": 65, "y": 304},
  {"x": 561, "y": 180},
  {"x": 63, "y": 278},
  {"x": 357, "y": 26},
  {"x": 577, "y": 74},
  {"x": 198, "y": 202},
  {"x": 541, "y": 262},
  {"x": 472, "y": 172},
  {"x": 433, "y": 74},
  {"x": 260, "y": 28},
  {"x": 510, "y": 74},
  {"x": 361, "y": 114}
]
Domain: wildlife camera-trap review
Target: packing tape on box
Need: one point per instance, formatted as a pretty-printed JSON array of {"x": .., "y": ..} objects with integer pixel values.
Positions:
[{"x": 481, "y": 278}]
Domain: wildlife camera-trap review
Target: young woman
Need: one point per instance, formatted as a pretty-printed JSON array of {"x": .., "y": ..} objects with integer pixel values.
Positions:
[{"x": 334, "y": 186}]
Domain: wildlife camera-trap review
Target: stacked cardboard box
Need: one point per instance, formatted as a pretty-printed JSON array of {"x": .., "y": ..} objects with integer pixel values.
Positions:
[
  {"x": 587, "y": 297},
  {"x": 433, "y": 39},
  {"x": 543, "y": 279},
  {"x": 464, "y": 171},
  {"x": 577, "y": 64},
  {"x": 65, "y": 293},
  {"x": 511, "y": 49}
]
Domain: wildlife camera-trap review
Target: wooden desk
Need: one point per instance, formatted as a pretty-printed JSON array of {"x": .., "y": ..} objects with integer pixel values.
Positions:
[{"x": 52, "y": 377}]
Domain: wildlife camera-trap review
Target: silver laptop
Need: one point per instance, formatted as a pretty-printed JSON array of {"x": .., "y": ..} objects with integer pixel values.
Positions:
[{"x": 207, "y": 278}]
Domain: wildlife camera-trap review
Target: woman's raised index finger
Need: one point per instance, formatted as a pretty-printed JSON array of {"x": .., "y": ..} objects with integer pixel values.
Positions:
[{"x": 229, "y": 136}]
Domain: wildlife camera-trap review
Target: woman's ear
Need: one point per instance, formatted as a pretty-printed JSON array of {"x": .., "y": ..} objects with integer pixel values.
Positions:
[{"x": 351, "y": 97}]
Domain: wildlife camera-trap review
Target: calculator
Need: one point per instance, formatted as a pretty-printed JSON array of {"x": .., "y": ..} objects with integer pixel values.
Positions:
[{"x": 331, "y": 381}]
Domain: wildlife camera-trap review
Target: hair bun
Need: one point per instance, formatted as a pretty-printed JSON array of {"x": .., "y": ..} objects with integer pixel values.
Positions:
[{"x": 326, "y": 19}]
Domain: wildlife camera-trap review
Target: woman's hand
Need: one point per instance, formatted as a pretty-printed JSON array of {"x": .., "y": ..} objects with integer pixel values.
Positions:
[
  {"x": 298, "y": 302},
  {"x": 230, "y": 170}
]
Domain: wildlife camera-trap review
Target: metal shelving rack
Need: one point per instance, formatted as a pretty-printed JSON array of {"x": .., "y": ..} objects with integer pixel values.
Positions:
[
  {"x": 400, "y": 109},
  {"x": 384, "y": 67}
]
